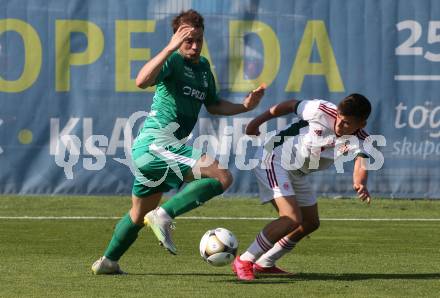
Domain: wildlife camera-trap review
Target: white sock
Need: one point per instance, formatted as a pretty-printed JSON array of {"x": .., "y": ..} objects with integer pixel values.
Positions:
[
  {"x": 283, "y": 246},
  {"x": 257, "y": 248},
  {"x": 162, "y": 213}
]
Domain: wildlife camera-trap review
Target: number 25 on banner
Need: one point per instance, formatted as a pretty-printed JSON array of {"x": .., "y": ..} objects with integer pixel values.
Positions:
[{"x": 408, "y": 46}]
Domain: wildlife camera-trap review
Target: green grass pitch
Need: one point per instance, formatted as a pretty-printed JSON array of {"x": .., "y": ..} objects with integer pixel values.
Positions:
[{"x": 51, "y": 257}]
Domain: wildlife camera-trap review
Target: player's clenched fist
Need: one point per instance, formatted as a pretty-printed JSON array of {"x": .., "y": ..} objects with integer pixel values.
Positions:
[{"x": 362, "y": 192}]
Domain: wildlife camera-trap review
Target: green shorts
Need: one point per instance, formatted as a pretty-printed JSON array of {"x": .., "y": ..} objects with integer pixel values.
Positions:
[{"x": 160, "y": 169}]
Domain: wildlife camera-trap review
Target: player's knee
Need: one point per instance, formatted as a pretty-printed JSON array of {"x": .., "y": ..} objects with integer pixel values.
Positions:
[
  {"x": 310, "y": 226},
  {"x": 291, "y": 223},
  {"x": 315, "y": 225},
  {"x": 137, "y": 216}
]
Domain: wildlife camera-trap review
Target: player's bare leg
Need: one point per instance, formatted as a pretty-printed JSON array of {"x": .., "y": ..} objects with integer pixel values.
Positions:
[
  {"x": 208, "y": 167},
  {"x": 309, "y": 224},
  {"x": 141, "y": 206},
  {"x": 290, "y": 219}
]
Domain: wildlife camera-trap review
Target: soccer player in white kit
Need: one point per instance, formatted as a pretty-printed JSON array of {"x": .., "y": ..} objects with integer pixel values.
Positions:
[{"x": 323, "y": 134}]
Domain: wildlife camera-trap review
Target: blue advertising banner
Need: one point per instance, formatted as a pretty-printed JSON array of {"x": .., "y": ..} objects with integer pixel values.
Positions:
[{"x": 68, "y": 93}]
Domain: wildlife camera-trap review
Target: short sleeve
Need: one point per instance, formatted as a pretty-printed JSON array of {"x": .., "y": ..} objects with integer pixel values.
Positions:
[
  {"x": 167, "y": 69},
  {"x": 350, "y": 144},
  {"x": 360, "y": 152},
  {"x": 307, "y": 109},
  {"x": 212, "y": 96}
]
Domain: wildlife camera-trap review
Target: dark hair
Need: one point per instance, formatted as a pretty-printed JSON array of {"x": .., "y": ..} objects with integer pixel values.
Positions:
[
  {"x": 355, "y": 105},
  {"x": 190, "y": 17}
]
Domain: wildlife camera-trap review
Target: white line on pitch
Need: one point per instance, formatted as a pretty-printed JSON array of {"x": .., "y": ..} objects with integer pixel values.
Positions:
[
  {"x": 326, "y": 219},
  {"x": 207, "y": 218},
  {"x": 416, "y": 78}
]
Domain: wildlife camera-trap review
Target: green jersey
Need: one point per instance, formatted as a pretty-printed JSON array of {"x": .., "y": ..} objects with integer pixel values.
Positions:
[{"x": 181, "y": 88}]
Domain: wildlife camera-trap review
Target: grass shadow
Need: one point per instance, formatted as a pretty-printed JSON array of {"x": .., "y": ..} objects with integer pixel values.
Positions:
[
  {"x": 273, "y": 279},
  {"x": 366, "y": 276},
  {"x": 300, "y": 277}
]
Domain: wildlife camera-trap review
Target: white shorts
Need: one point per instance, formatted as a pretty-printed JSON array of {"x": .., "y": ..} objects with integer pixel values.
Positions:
[{"x": 274, "y": 182}]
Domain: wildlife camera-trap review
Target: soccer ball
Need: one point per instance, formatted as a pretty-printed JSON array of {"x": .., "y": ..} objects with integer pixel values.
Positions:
[{"x": 218, "y": 247}]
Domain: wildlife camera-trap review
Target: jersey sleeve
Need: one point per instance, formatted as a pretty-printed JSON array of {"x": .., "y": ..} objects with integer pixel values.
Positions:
[
  {"x": 307, "y": 109},
  {"x": 360, "y": 152},
  {"x": 212, "y": 96},
  {"x": 167, "y": 69}
]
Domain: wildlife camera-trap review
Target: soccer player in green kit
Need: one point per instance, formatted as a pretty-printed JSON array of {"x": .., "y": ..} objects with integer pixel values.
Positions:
[{"x": 183, "y": 82}]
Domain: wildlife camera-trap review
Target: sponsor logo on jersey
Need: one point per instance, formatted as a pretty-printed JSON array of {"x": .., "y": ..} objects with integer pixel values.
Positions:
[{"x": 193, "y": 92}]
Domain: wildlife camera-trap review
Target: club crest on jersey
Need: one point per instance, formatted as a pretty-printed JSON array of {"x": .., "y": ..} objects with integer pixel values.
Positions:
[
  {"x": 193, "y": 92},
  {"x": 318, "y": 132},
  {"x": 344, "y": 148},
  {"x": 188, "y": 72},
  {"x": 286, "y": 185}
]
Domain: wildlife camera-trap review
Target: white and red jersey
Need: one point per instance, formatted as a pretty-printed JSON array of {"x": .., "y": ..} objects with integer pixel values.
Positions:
[{"x": 312, "y": 144}]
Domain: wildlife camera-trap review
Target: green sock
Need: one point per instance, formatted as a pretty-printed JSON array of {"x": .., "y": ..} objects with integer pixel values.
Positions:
[
  {"x": 193, "y": 195},
  {"x": 124, "y": 235}
]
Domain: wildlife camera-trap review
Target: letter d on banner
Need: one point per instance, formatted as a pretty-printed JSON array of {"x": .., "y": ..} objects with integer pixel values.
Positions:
[{"x": 271, "y": 65}]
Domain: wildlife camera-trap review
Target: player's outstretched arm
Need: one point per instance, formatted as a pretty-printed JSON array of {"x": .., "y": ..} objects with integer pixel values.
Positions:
[
  {"x": 360, "y": 177},
  {"x": 227, "y": 108},
  {"x": 277, "y": 110},
  {"x": 151, "y": 69}
]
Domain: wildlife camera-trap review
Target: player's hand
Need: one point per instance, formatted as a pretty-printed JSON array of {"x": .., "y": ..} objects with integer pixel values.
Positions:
[
  {"x": 179, "y": 37},
  {"x": 362, "y": 192},
  {"x": 254, "y": 97},
  {"x": 252, "y": 129}
]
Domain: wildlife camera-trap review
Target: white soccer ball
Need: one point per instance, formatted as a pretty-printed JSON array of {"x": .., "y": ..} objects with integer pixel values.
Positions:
[{"x": 218, "y": 247}]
